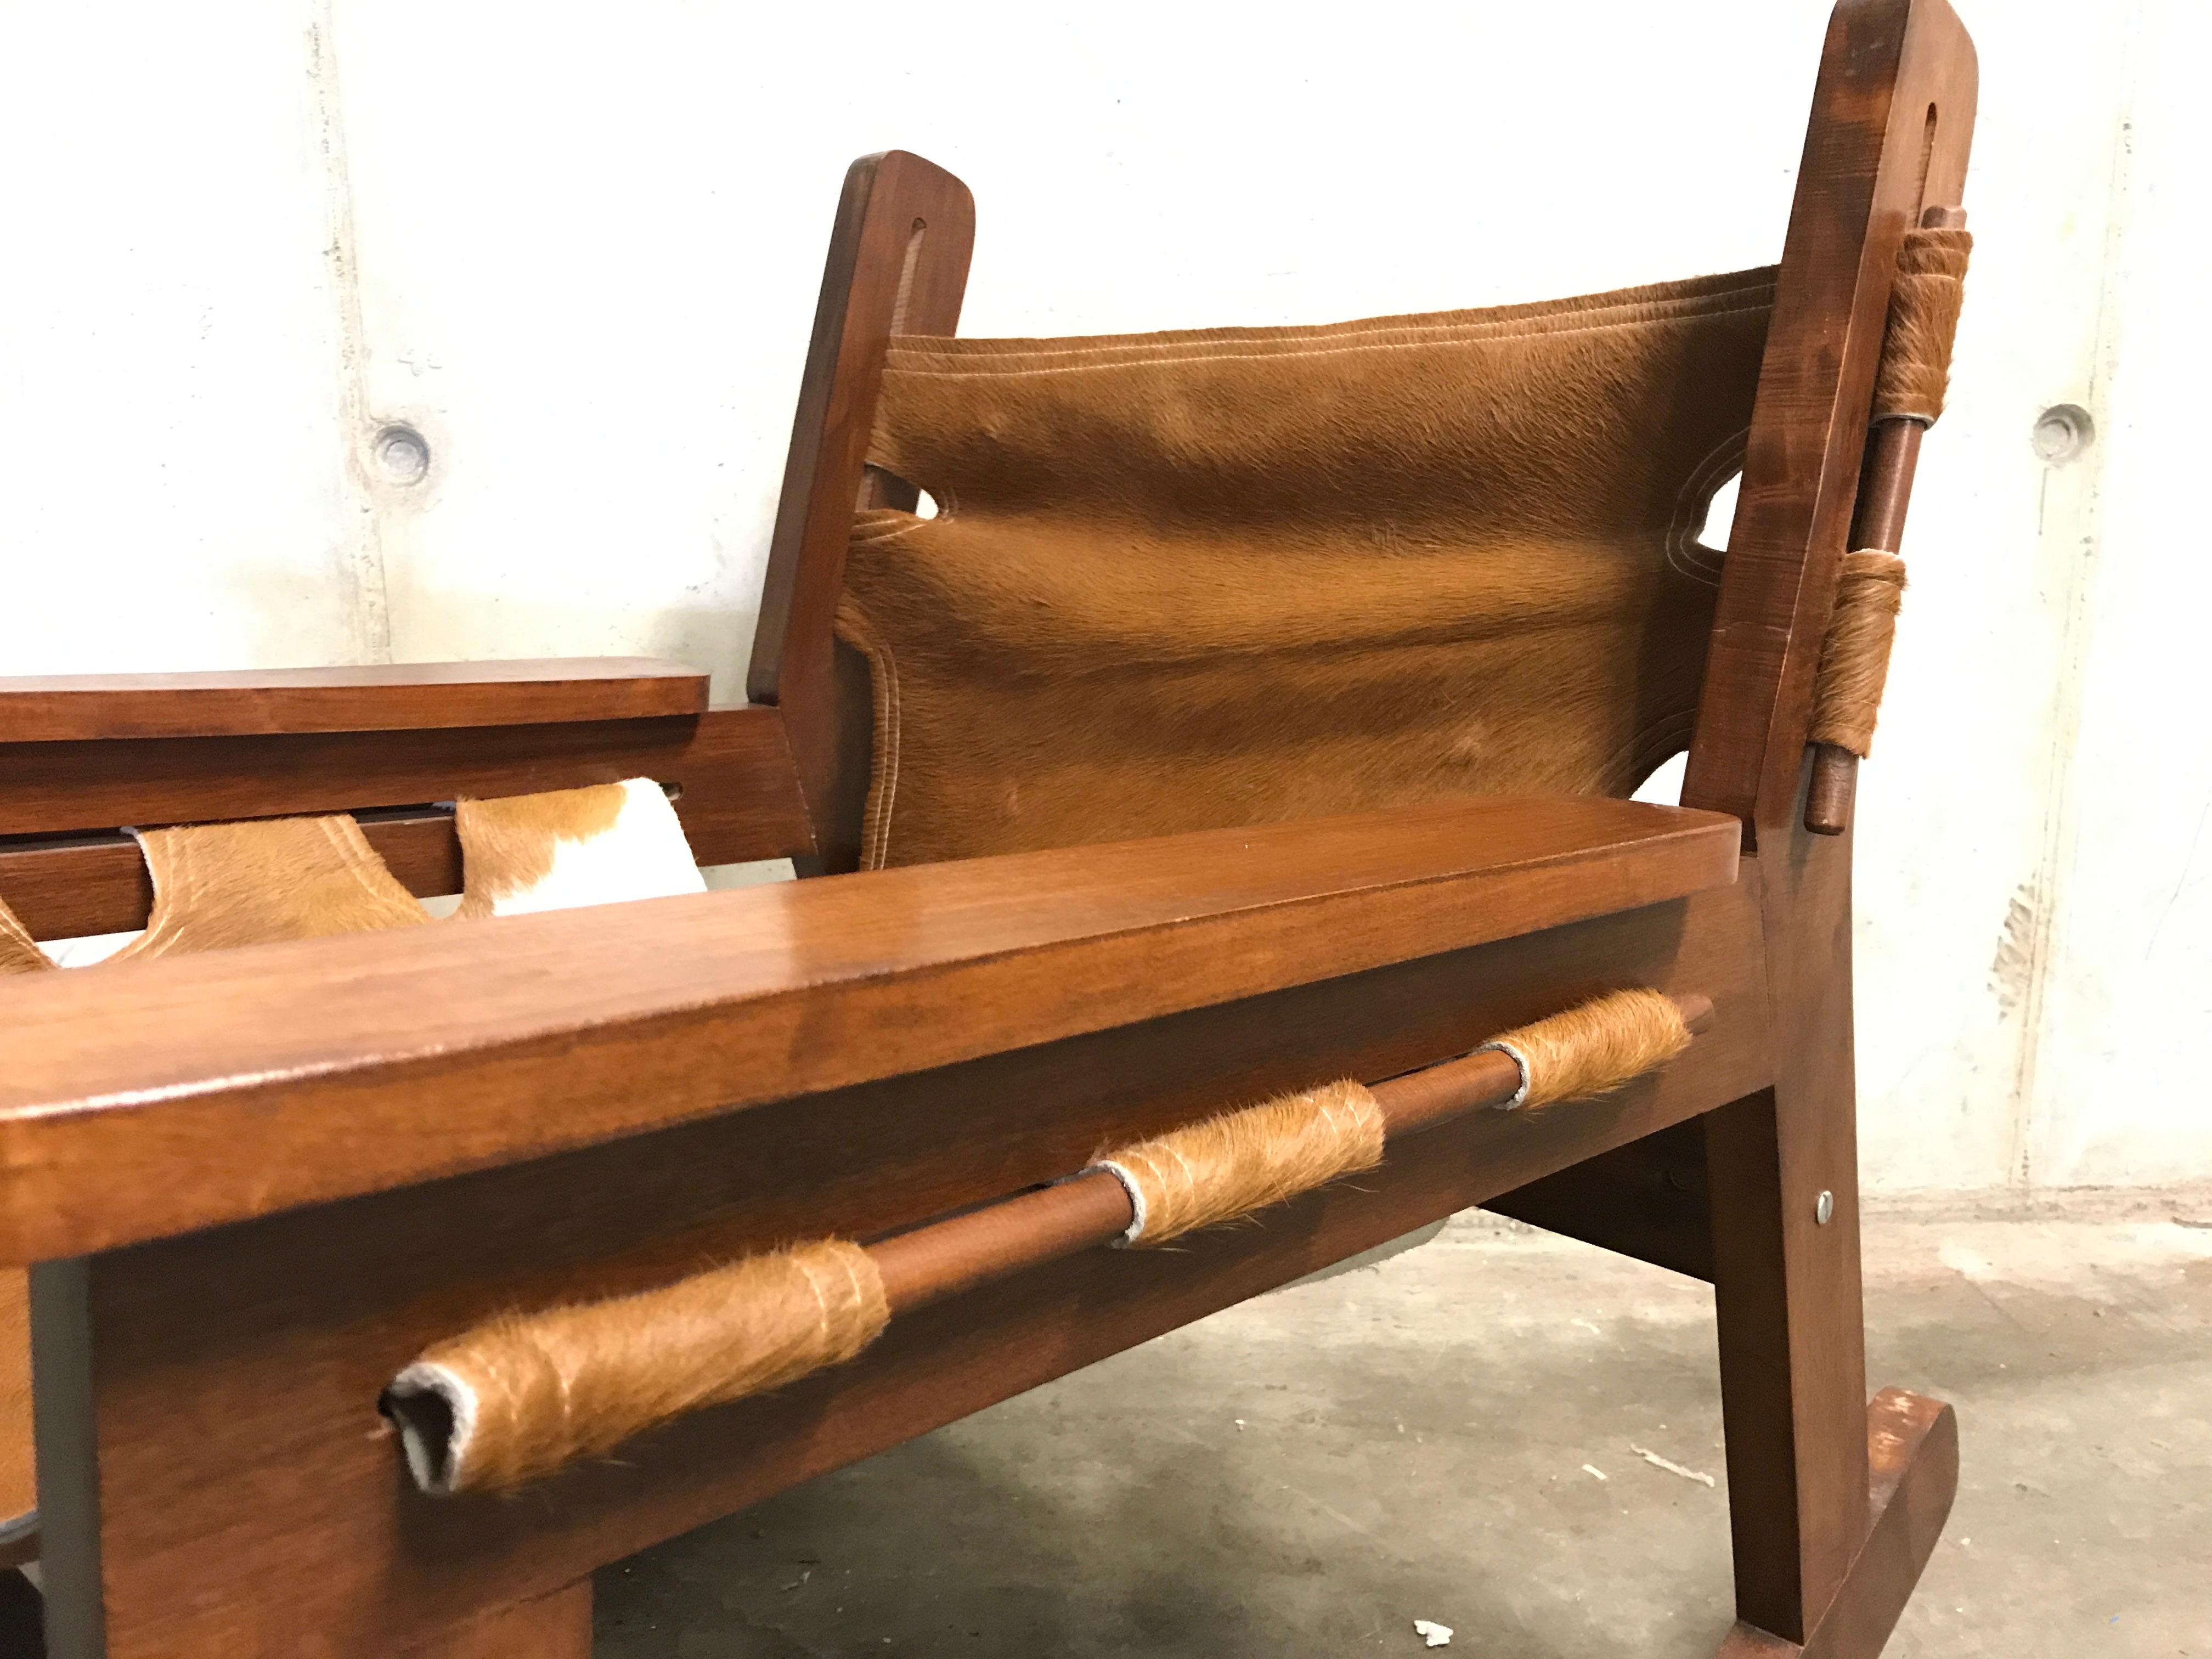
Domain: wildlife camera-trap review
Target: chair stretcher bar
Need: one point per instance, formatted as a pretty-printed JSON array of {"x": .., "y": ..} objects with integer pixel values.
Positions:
[
  {"x": 235, "y": 1369},
  {"x": 522, "y": 1396},
  {"x": 928, "y": 1263}
]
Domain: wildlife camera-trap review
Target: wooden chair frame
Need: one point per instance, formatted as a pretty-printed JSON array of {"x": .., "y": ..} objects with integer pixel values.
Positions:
[{"x": 249, "y": 1184}]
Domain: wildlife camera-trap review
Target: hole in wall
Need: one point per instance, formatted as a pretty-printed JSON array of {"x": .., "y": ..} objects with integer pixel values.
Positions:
[
  {"x": 403, "y": 454},
  {"x": 2062, "y": 433}
]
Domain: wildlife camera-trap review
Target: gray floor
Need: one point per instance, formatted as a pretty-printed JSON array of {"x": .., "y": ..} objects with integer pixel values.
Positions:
[{"x": 1461, "y": 1435}]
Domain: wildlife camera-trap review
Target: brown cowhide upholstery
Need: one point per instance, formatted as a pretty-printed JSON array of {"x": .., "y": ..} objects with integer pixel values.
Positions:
[
  {"x": 605, "y": 844},
  {"x": 218, "y": 885},
  {"x": 214, "y": 885},
  {"x": 19, "y": 951},
  {"x": 1185, "y": 581}
]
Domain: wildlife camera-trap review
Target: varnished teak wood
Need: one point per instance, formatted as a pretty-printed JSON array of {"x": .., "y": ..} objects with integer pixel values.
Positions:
[
  {"x": 259, "y": 1158},
  {"x": 1912, "y": 1453},
  {"x": 1892, "y": 121},
  {"x": 897, "y": 264},
  {"x": 68, "y": 887},
  {"x": 169, "y": 1094},
  {"x": 739, "y": 794},
  {"x": 1892, "y": 118},
  {"x": 556, "y": 1625},
  {"x": 82, "y": 754},
  {"x": 239, "y": 1364},
  {"x": 1648, "y": 1200},
  {"x": 382, "y": 697}
]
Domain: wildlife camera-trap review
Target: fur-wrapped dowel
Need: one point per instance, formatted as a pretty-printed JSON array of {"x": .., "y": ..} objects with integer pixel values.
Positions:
[
  {"x": 1925, "y": 298},
  {"x": 1243, "y": 1161},
  {"x": 522, "y": 1396},
  {"x": 1230, "y": 1165},
  {"x": 1854, "y": 658},
  {"x": 1909, "y": 385},
  {"x": 525, "y": 1395},
  {"x": 1592, "y": 1048}
]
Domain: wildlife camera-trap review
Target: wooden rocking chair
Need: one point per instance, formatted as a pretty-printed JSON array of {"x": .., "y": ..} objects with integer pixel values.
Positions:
[{"x": 253, "y": 1186}]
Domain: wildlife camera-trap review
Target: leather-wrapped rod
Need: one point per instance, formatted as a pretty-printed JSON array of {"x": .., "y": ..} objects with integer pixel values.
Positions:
[
  {"x": 521, "y": 1396},
  {"x": 1908, "y": 398}
]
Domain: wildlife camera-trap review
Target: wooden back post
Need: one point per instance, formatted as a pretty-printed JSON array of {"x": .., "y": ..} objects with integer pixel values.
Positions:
[
  {"x": 1892, "y": 122},
  {"x": 1884, "y": 493},
  {"x": 897, "y": 264}
]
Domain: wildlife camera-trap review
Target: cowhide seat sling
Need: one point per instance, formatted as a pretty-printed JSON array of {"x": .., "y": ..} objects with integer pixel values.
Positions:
[
  {"x": 216, "y": 886},
  {"x": 1219, "y": 795}
]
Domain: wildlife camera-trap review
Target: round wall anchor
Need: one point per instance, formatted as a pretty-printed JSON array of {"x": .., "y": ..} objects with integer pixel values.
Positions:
[
  {"x": 2062, "y": 433},
  {"x": 403, "y": 454}
]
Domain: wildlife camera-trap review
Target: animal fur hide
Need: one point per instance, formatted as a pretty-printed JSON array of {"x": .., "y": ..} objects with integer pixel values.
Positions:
[
  {"x": 224, "y": 885},
  {"x": 1185, "y": 581},
  {"x": 570, "y": 847}
]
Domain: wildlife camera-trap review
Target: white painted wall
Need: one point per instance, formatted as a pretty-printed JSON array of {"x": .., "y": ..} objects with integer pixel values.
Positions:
[
  {"x": 577, "y": 247},
  {"x": 2118, "y": 1080}
]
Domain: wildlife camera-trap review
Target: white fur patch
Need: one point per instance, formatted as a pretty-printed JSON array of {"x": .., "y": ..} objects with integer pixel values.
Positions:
[
  {"x": 642, "y": 855},
  {"x": 436, "y": 1469}
]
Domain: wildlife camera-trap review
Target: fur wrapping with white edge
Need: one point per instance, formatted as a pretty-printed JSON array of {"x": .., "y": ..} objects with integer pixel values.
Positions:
[
  {"x": 412, "y": 1401},
  {"x": 606, "y": 844}
]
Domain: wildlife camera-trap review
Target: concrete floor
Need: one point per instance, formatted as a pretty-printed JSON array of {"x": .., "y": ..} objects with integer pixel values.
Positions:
[{"x": 1459, "y": 1436}]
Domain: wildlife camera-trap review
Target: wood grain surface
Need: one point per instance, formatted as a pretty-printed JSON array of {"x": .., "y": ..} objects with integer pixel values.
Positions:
[
  {"x": 897, "y": 264},
  {"x": 1913, "y": 1451},
  {"x": 251, "y": 1508},
  {"x": 379, "y": 697},
  {"x": 278, "y": 1173},
  {"x": 147, "y": 1098},
  {"x": 739, "y": 794},
  {"x": 1892, "y": 122}
]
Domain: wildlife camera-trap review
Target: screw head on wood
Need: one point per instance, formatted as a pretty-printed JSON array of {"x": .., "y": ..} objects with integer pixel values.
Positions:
[{"x": 1824, "y": 1208}]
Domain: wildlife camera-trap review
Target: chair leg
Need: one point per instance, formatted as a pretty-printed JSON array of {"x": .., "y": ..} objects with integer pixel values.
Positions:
[
  {"x": 1793, "y": 1365},
  {"x": 1834, "y": 1505},
  {"x": 554, "y": 1627},
  {"x": 1913, "y": 1444}
]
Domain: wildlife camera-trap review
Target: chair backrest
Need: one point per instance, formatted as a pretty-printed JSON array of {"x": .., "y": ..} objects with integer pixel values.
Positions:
[
  {"x": 1191, "y": 581},
  {"x": 1476, "y": 576},
  {"x": 1120, "y": 620}
]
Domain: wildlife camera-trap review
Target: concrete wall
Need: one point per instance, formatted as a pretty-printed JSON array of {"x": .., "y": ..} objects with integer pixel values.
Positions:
[{"x": 579, "y": 253}]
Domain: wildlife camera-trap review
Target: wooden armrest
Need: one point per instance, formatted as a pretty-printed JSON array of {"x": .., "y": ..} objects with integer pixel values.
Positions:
[
  {"x": 391, "y": 698},
  {"x": 143, "y": 1099}
]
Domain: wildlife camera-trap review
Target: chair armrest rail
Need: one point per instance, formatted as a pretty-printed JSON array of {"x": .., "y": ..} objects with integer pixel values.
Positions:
[{"x": 145, "y": 1100}]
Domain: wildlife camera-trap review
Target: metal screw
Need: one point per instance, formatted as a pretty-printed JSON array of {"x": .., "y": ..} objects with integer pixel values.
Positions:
[{"x": 1824, "y": 1208}]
